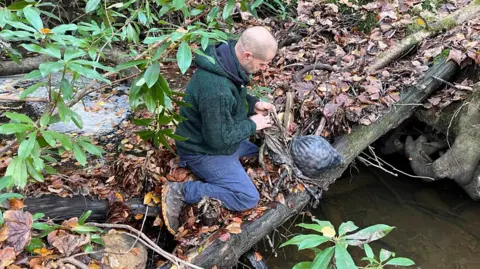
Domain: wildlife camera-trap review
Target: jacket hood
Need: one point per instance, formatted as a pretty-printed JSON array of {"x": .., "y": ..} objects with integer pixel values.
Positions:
[{"x": 225, "y": 62}]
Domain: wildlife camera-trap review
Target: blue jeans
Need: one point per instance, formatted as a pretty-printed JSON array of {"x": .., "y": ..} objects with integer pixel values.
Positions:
[{"x": 222, "y": 177}]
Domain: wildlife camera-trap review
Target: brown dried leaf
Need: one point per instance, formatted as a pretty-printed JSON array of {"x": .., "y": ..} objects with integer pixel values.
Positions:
[
  {"x": 15, "y": 204},
  {"x": 178, "y": 175},
  {"x": 19, "y": 224},
  {"x": 258, "y": 256},
  {"x": 158, "y": 221},
  {"x": 224, "y": 237},
  {"x": 3, "y": 234},
  {"x": 43, "y": 252},
  {"x": 281, "y": 199},
  {"x": 456, "y": 56},
  {"x": 68, "y": 243},
  {"x": 234, "y": 228},
  {"x": 7, "y": 257}
]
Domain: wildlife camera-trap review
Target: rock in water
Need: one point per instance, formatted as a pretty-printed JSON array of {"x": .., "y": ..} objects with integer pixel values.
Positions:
[{"x": 313, "y": 154}]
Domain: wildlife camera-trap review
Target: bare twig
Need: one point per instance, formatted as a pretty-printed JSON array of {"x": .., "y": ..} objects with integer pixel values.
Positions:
[
  {"x": 27, "y": 99},
  {"x": 141, "y": 229},
  {"x": 299, "y": 74},
  {"x": 148, "y": 242},
  {"x": 74, "y": 261},
  {"x": 288, "y": 111},
  {"x": 321, "y": 126}
]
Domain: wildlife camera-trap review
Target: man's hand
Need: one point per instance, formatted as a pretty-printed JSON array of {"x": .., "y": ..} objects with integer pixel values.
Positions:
[
  {"x": 263, "y": 108},
  {"x": 261, "y": 121}
]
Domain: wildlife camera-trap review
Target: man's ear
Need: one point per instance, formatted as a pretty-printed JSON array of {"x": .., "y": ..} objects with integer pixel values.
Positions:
[{"x": 247, "y": 55}]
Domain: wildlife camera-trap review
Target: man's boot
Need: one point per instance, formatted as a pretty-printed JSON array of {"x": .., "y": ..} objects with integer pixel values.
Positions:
[{"x": 172, "y": 204}]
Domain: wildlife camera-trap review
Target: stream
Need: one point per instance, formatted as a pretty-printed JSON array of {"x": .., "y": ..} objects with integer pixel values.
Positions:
[{"x": 437, "y": 224}]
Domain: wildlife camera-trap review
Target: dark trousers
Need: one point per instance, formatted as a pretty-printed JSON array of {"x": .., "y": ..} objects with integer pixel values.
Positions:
[{"x": 222, "y": 177}]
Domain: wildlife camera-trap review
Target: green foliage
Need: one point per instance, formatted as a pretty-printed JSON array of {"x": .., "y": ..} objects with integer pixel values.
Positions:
[
  {"x": 75, "y": 50},
  {"x": 337, "y": 256},
  {"x": 260, "y": 92}
]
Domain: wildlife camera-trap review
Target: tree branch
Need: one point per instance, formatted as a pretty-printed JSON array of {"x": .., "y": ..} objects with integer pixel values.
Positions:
[{"x": 27, "y": 99}]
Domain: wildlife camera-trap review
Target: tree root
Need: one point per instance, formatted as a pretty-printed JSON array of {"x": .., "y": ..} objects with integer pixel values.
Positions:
[{"x": 298, "y": 76}]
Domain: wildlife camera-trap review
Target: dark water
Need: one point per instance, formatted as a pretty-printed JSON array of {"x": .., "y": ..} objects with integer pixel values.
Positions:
[{"x": 437, "y": 225}]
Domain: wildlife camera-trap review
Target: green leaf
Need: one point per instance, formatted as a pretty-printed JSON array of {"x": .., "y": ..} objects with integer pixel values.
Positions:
[
  {"x": 227, "y": 10},
  {"x": 64, "y": 111},
  {"x": 79, "y": 154},
  {"x": 296, "y": 240},
  {"x": 346, "y": 227},
  {"x": 369, "y": 251},
  {"x": 368, "y": 234},
  {"x": 32, "y": 47},
  {"x": 199, "y": 52},
  {"x": 85, "y": 229},
  {"x": 400, "y": 262},
  {"x": 34, "y": 173},
  {"x": 204, "y": 42},
  {"x": 142, "y": 122},
  {"x": 303, "y": 265},
  {"x": 87, "y": 72},
  {"x": 26, "y": 146},
  {"x": 38, "y": 216},
  {"x": 313, "y": 241},
  {"x": 91, "y": 5},
  {"x": 31, "y": 89},
  {"x": 67, "y": 89},
  {"x": 212, "y": 15},
  {"x": 50, "y": 170},
  {"x": 84, "y": 217},
  {"x": 19, "y": 4},
  {"x": 178, "y": 4},
  {"x": 1, "y": 218},
  {"x": 6, "y": 196},
  {"x": 45, "y": 119},
  {"x": 77, "y": 120},
  {"x": 50, "y": 67},
  {"x": 97, "y": 239},
  {"x": 22, "y": 26},
  {"x": 384, "y": 255},
  {"x": 343, "y": 260},
  {"x": 322, "y": 259},
  {"x": 73, "y": 53},
  {"x": 61, "y": 29},
  {"x": 88, "y": 248},
  {"x": 52, "y": 50},
  {"x": 94, "y": 64},
  {"x": 184, "y": 57},
  {"x": 90, "y": 148},
  {"x": 33, "y": 17},
  {"x": 35, "y": 243},
  {"x": 314, "y": 227},
  {"x": 5, "y": 182},
  {"x": 64, "y": 140},
  {"x": 35, "y": 74},
  {"x": 146, "y": 135},
  {"x": 152, "y": 73},
  {"x": 42, "y": 226},
  {"x": 20, "y": 175},
  {"x": 12, "y": 128},
  {"x": 49, "y": 138},
  {"x": 177, "y": 137},
  {"x": 19, "y": 117},
  {"x": 129, "y": 64}
]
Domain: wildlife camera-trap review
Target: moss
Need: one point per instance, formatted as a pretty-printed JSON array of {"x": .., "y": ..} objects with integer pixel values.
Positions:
[
  {"x": 364, "y": 25},
  {"x": 443, "y": 55},
  {"x": 448, "y": 23},
  {"x": 477, "y": 2}
]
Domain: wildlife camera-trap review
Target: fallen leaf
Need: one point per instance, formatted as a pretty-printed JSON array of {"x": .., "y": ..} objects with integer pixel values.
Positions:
[
  {"x": 7, "y": 257},
  {"x": 3, "y": 234},
  {"x": 15, "y": 204},
  {"x": 280, "y": 198},
  {"x": 37, "y": 261},
  {"x": 308, "y": 77},
  {"x": 148, "y": 198},
  {"x": 93, "y": 265},
  {"x": 70, "y": 223},
  {"x": 224, "y": 237},
  {"x": 68, "y": 243},
  {"x": 234, "y": 228},
  {"x": 158, "y": 221},
  {"x": 456, "y": 56},
  {"x": 19, "y": 224},
  {"x": 43, "y": 252},
  {"x": 135, "y": 251}
]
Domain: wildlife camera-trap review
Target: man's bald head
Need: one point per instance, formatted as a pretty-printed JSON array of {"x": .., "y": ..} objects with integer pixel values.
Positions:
[{"x": 256, "y": 48}]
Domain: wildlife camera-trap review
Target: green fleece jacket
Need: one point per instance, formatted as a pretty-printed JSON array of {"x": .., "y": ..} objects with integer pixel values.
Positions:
[{"x": 217, "y": 120}]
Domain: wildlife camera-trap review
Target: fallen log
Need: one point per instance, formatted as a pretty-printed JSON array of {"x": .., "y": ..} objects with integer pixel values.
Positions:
[
  {"x": 459, "y": 17},
  {"x": 215, "y": 252},
  {"x": 58, "y": 208}
]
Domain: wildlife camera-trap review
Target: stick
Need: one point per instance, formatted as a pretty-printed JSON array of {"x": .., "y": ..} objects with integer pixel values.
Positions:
[
  {"x": 150, "y": 244},
  {"x": 299, "y": 74},
  {"x": 27, "y": 99},
  {"x": 75, "y": 262},
  {"x": 288, "y": 111},
  {"x": 321, "y": 126}
]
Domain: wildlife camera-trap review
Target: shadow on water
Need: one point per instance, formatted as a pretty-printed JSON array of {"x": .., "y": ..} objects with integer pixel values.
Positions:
[{"x": 437, "y": 225}]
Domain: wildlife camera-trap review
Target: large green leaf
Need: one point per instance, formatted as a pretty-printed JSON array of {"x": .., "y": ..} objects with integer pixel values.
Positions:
[
  {"x": 26, "y": 146},
  {"x": 94, "y": 64},
  {"x": 35, "y": 243},
  {"x": 178, "y": 4},
  {"x": 152, "y": 73},
  {"x": 212, "y": 15},
  {"x": 90, "y": 148},
  {"x": 368, "y": 251},
  {"x": 322, "y": 259},
  {"x": 33, "y": 17},
  {"x": 67, "y": 89},
  {"x": 64, "y": 140},
  {"x": 77, "y": 120},
  {"x": 32, "y": 47},
  {"x": 400, "y": 262},
  {"x": 61, "y": 29},
  {"x": 34, "y": 173},
  {"x": 5, "y": 182},
  {"x": 52, "y": 50},
  {"x": 84, "y": 217},
  {"x": 346, "y": 227},
  {"x": 20, "y": 4},
  {"x": 49, "y": 138},
  {"x": 22, "y": 26},
  {"x": 73, "y": 53},
  {"x": 184, "y": 57},
  {"x": 368, "y": 234},
  {"x": 79, "y": 154},
  {"x": 227, "y": 10},
  {"x": 129, "y": 64},
  {"x": 5, "y": 196},
  {"x": 384, "y": 255},
  {"x": 17, "y": 169},
  {"x": 31, "y": 89},
  {"x": 85, "y": 229},
  {"x": 92, "y": 5},
  {"x": 313, "y": 241},
  {"x": 87, "y": 72},
  {"x": 64, "y": 112},
  {"x": 296, "y": 240},
  {"x": 343, "y": 260},
  {"x": 314, "y": 227},
  {"x": 50, "y": 67},
  {"x": 12, "y": 128},
  {"x": 19, "y": 117}
]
